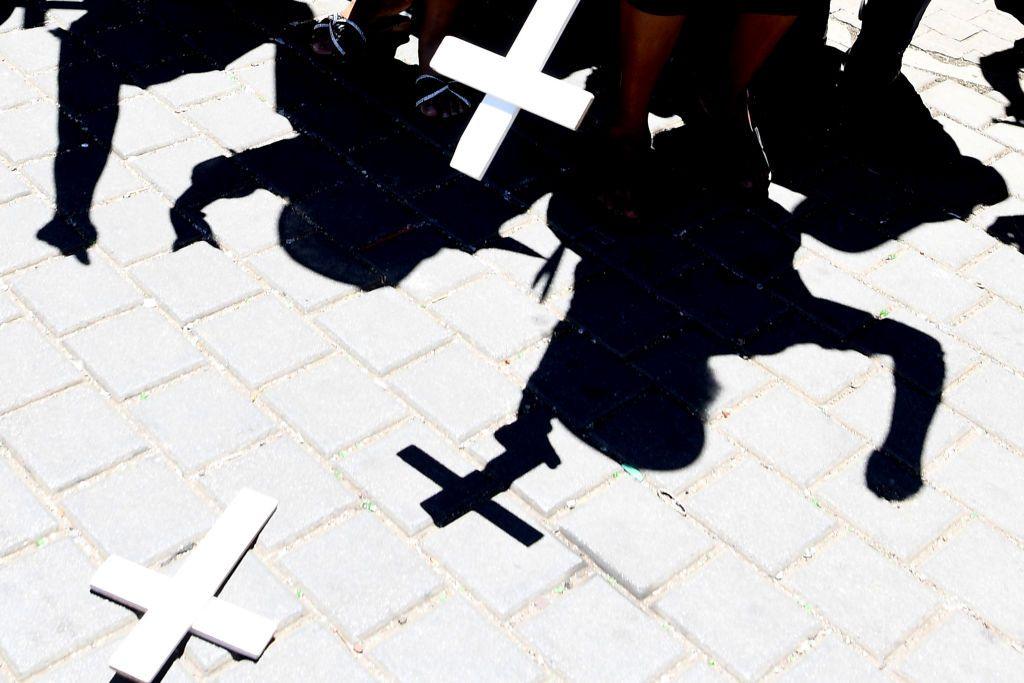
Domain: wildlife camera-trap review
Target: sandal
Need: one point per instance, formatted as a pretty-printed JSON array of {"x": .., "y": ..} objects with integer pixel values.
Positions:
[
  {"x": 430, "y": 88},
  {"x": 347, "y": 37}
]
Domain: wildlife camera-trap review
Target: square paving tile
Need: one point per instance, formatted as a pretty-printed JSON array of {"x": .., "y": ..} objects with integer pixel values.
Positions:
[
  {"x": 70, "y": 436},
  {"x": 115, "y": 181},
  {"x": 361, "y": 575},
  {"x": 29, "y": 131},
  {"x": 261, "y": 340},
  {"x": 30, "y": 366},
  {"x": 308, "y": 493},
  {"x": 323, "y": 655},
  {"x": 239, "y": 121},
  {"x": 738, "y": 615},
  {"x": 22, "y": 219},
  {"x": 170, "y": 168},
  {"x": 592, "y": 633},
  {"x": 639, "y": 539},
  {"x": 145, "y": 124},
  {"x": 961, "y": 649},
  {"x": 248, "y": 224},
  {"x": 134, "y": 352},
  {"x": 22, "y": 516},
  {"x": 334, "y": 404},
  {"x": 992, "y": 396},
  {"x": 8, "y": 309},
  {"x": 833, "y": 660},
  {"x": 135, "y": 227},
  {"x": 312, "y": 271}
]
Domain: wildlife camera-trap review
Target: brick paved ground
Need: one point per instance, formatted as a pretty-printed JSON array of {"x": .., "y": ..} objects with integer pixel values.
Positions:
[{"x": 373, "y": 324}]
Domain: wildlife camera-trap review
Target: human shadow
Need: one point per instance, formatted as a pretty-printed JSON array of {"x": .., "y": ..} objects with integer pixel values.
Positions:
[{"x": 1002, "y": 69}]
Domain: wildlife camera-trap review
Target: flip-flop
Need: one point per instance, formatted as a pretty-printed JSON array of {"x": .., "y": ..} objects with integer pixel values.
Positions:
[
  {"x": 348, "y": 38},
  {"x": 430, "y": 88}
]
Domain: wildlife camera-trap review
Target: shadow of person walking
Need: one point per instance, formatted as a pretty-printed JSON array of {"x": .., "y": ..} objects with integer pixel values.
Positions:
[{"x": 1002, "y": 69}]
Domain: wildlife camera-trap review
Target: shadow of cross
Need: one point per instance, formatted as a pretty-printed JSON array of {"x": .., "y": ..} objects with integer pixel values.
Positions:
[{"x": 475, "y": 492}]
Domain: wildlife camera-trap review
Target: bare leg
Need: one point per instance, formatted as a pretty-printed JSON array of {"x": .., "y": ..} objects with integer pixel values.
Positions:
[
  {"x": 753, "y": 42},
  {"x": 364, "y": 13}
]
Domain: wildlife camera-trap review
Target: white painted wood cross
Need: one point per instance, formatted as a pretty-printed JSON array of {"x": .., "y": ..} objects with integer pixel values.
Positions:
[
  {"x": 175, "y": 606},
  {"x": 512, "y": 83}
]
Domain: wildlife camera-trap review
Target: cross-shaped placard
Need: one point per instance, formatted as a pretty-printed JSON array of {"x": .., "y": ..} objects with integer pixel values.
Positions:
[
  {"x": 512, "y": 83},
  {"x": 176, "y": 605}
]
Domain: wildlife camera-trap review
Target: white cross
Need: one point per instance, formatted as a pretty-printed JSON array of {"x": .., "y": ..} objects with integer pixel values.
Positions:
[
  {"x": 512, "y": 83},
  {"x": 174, "y": 606}
]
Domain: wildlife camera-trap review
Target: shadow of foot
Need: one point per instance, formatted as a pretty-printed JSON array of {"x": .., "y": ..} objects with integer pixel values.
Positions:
[
  {"x": 888, "y": 479},
  {"x": 68, "y": 239}
]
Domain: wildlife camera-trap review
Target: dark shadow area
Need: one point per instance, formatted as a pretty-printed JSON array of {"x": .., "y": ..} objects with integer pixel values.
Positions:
[{"x": 1002, "y": 69}]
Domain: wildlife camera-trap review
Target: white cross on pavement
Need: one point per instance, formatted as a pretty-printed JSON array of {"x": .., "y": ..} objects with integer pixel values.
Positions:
[
  {"x": 512, "y": 83},
  {"x": 176, "y": 605}
]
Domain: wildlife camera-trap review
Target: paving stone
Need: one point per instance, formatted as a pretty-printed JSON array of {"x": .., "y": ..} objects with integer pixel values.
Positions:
[
  {"x": 14, "y": 89},
  {"x": 524, "y": 268},
  {"x": 248, "y": 224},
  {"x": 961, "y": 103},
  {"x": 454, "y": 643},
  {"x": 952, "y": 242},
  {"x": 703, "y": 671},
  {"x": 988, "y": 478},
  {"x": 361, "y": 575},
  {"x": 925, "y": 286},
  {"x": 738, "y": 615},
  {"x": 818, "y": 372},
  {"x": 68, "y": 437},
  {"x": 22, "y": 517},
  {"x": 322, "y": 654},
  {"x": 998, "y": 273},
  {"x": 144, "y": 124},
  {"x": 28, "y": 131},
  {"x": 393, "y": 484},
  {"x": 869, "y": 409},
  {"x": 496, "y": 567},
  {"x": 903, "y": 528},
  {"x": 981, "y": 567},
  {"x": 383, "y": 329},
  {"x": 640, "y": 540},
  {"x": 134, "y": 352},
  {"x": 791, "y": 433},
  {"x": 201, "y": 418},
  {"x": 458, "y": 390},
  {"x": 8, "y": 309},
  {"x": 962, "y": 649},
  {"x": 872, "y": 599},
  {"x": 30, "y": 366},
  {"x": 307, "y": 496},
  {"x": 612, "y": 640},
  {"x": 422, "y": 266},
  {"x": 759, "y": 514},
  {"x": 195, "y": 281},
  {"x": 830, "y": 284},
  {"x": 261, "y": 340},
  {"x": 1008, "y": 134},
  {"x": 67, "y": 294},
  {"x": 856, "y": 262},
  {"x": 312, "y": 287},
  {"x": 495, "y": 316},
  {"x": 581, "y": 466},
  {"x": 992, "y": 397},
  {"x": 1011, "y": 168},
  {"x": 94, "y": 665},
  {"x": 170, "y": 168},
  {"x": 833, "y": 660},
  {"x": 11, "y": 185},
  {"x": 31, "y": 49},
  {"x": 194, "y": 88},
  {"x": 620, "y": 313},
  {"x": 143, "y": 512},
  {"x": 239, "y": 121},
  {"x": 135, "y": 227},
  {"x": 250, "y": 585},
  {"x": 47, "y": 612},
  {"x": 715, "y": 450},
  {"x": 22, "y": 219},
  {"x": 115, "y": 181},
  {"x": 998, "y": 330},
  {"x": 970, "y": 143}
]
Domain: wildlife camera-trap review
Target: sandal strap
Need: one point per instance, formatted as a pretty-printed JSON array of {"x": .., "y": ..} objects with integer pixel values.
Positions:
[
  {"x": 446, "y": 86},
  {"x": 334, "y": 25}
]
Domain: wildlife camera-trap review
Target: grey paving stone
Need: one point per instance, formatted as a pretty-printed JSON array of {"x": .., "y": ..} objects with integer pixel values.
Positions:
[
  {"x": 961, "y": 103},
  {"x": 715, "y": 450},
  {"x": 144, "y": 124},
  {"x": 997, "y": 273},
  {"x": 239, "y": 121},
  {"x": 833, "y": 660},
  {"x": 926, "y": 286},
  {"x": 115, "y": 181},
  {"x": 581, "y": 468},
  {"x": 992, "y": 396},
  {"x": 170, "y": 168},
  {"x": 322, "y": 654},
  {"x": 48, "y": 611},
  {"x": 438, "y": 274},
  {"x": 1011, "y": 168},
  {"x": 28, "y": 131},
  {"x": 495, "y": 316},
  {"x": 819, "y": 373},
  {"x": 1006, "y": 133},
  {"x": 393, "y": 484},
  {"x": 261, "y": 340},
  {"x": 195, "y": 281},
  {"x": 8, "y": 309},
  {"x": 759, "y": 514},
  {"x": 30, "y": 365},
  {"x": 856, "y": 262},
  {"x": 458, "y": 390},
  {"x": 703, "y": 671},
  {"x": 201, "y": 418},
  {"x": 952, "y": 242},
  {"x": 361, "y": 575},
  {"x": 825, "y": 281},
  {"x": 988, "y": 478},
  {"x": 454, "y": 642},
  {"x": 14, "y": 89},
  {"x": 134, "y": 352},
  {"x": 334, "y": 404},
  {"x": 135, "y": 227},
  {"x": 305, "y": 286},
  {"x": 22, "y": 517},
  {"x": 591, "y": 633},
  {"x": 252, "y": 587},
  {"x": 982, "y": 568},
  {"x": 11, "y": 185},
  {"x": 383, "y": 329},
  {"x": 637, "y": 538},
  {"x": 998, "y": 330},
  {"x": 31, "y": 49},
  {"x": 94, "y": 665},
  {"x": 732, "y": 611},
  {"x": 869, "y": 597},
  {"x": 143, "y": 512},
  {"x": 68, "y": 437},
  {"x": 246, "y": 225},
  {"x": 22, "y": 219},
  {"x": 496, "y": 567},
  {"x": 523, "y": 268},
  {"x": 972, "y": 144},
  {"x": 962, "y": 649},
  {"x": 869, "y": 409},
  {"x": 67, "y": 295},
  {"x": 194, "y": 88},
  {"x": 307, "y": 492},
  {"x": 791, "y": 433}
]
